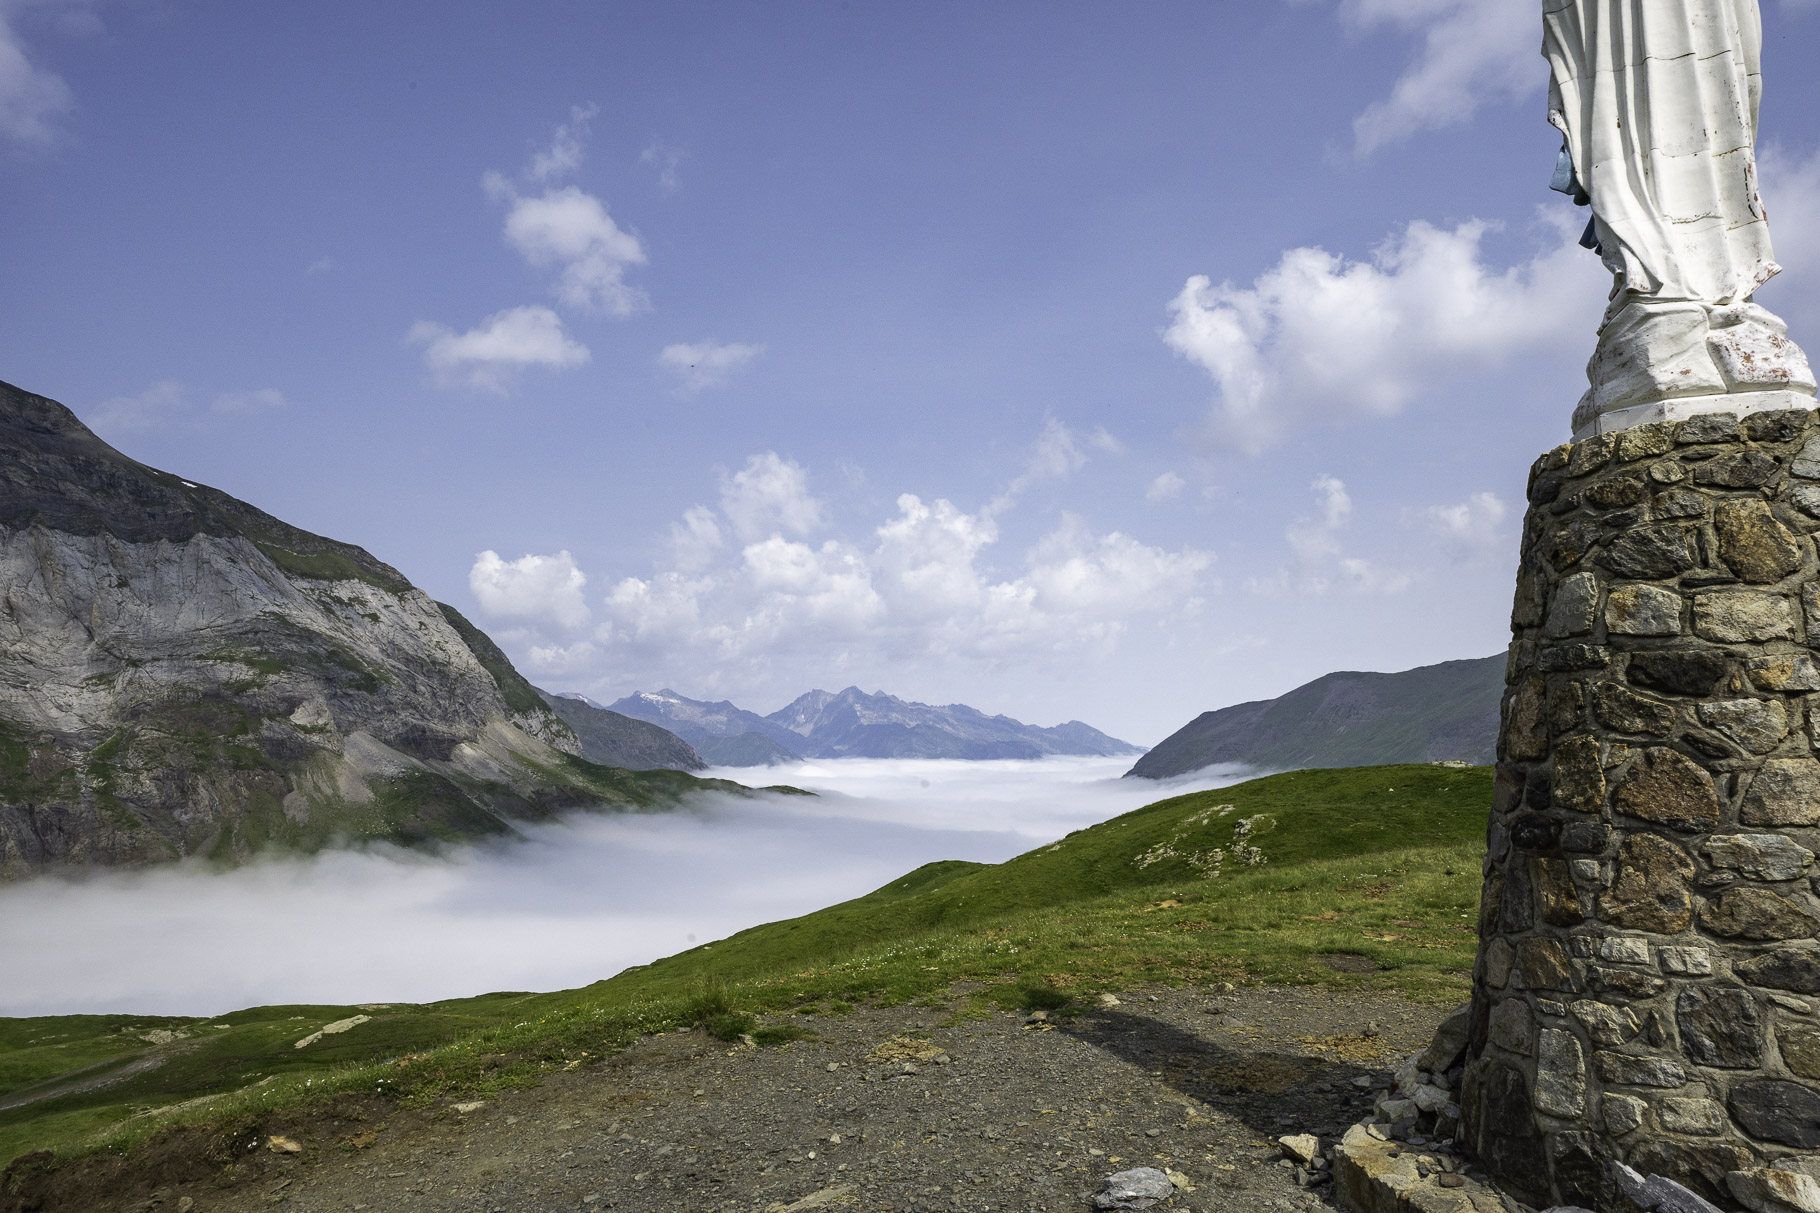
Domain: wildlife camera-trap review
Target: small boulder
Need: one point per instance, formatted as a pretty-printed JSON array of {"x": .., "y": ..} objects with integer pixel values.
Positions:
[
  {"x": 1770, "y": 1190},
  {"x": 1138, "y": 1188},
  {"x": 1303, "y": 1147},
  {"x": 1449, "y": 1042},
  {"x": 1430, "y": 1098}
]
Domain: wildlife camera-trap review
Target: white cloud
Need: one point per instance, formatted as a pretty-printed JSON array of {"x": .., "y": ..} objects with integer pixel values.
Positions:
[
  {"x": 32, "y": 98},
  {"x": 1166, "y": 487},
  {"x": 571, "y": 231},
  {"x": 1315, "y": 538},
  {"x": 666, "y": 160},
  {"x": 488, "y": 355},
  {"x": 1055, "y": 455},
  {"x": 1318, "y": 338},
  {"x": 1108, "y": 578},
  {"x": 925, "y": 558},
  {"x": 1473, "y": 52},
  {"x": 748, "y": 589},
  {"x": 567, "y": 147},
  {"x": 695, "y": 540},
  {"x": 705, "y": 364},
  {"x": 1471, "y": 526},
  {"x": 259, "y": 400},
  {"x": 1791, "y": 193},
  {"x": 561, "y": 658},
  {"x": 1319, "y": 564},
  {"x": 537, "y": 589},
  {"x": 321, "y": 265},
  {"x": 770, "y": 495},
  {"x": 918, "y": 588},
  {"x": 1103, "y": 440},
  {"x": 157, "y": 405}
]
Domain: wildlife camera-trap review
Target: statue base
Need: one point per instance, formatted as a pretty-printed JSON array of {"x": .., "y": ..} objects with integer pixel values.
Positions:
[
  {"x": 1647, "y": 988},
  {"x": 1737, "y": 403},
  {"x": 1668, "y": 360}
]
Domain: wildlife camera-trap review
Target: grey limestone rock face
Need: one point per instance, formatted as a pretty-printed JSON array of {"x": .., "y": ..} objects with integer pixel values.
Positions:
[
  {"x": 182, "y": 674},
  {"x": 1648, "y": 946}
]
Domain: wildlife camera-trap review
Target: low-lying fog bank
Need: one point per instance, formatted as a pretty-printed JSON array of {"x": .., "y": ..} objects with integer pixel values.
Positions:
[{"x": 572, "y": 903}]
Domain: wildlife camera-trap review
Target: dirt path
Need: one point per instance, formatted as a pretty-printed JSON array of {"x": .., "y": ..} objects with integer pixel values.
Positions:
[{"x": 996, "y": 1114}]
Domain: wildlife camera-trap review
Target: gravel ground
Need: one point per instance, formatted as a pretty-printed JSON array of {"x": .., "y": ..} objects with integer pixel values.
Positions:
[{"x": 888, "y": 1110}]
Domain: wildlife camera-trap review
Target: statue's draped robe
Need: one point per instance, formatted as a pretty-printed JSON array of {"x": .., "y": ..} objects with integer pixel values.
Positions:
[{"x": 1658, "y": 101}]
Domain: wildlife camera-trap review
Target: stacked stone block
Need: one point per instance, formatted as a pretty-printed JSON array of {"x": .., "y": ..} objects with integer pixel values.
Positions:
[{"x": 1647, "y": 969}]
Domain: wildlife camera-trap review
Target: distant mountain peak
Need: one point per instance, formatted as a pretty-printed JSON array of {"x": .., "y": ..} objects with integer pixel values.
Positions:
[
  {"x": 577, "y": 696},
  {"x": 860, "y": 724}
]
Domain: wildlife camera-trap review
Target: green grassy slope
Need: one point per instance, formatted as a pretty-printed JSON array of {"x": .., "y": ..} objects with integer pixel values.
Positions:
[{"x": 1377, "y": 862}]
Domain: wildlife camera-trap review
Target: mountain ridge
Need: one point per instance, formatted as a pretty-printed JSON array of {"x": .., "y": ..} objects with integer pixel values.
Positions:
[
  {"x": 854, "y": 724},
  {"x": 1442, "y": 712}
]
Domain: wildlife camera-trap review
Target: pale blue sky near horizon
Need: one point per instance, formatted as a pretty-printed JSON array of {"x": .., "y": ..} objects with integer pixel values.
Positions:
[{"x": 627, "y": 329}]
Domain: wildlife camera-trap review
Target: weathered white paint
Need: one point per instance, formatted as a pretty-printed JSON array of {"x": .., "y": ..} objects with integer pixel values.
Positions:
[{"x": 1658, "y": 105}]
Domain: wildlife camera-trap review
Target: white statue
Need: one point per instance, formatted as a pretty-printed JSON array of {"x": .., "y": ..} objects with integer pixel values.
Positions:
[{"x": 1657, "y": 100}]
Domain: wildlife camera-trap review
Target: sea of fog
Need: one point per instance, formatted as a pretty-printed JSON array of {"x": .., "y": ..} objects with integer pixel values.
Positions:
[{"x": 569, "y": 903}]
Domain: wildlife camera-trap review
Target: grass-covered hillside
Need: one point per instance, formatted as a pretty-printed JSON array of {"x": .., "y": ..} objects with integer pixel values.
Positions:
[{"x": 1355, "y": 878}]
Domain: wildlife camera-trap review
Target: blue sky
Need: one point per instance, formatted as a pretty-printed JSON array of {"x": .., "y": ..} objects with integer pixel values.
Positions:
[{"x": 1070, "y": 360}]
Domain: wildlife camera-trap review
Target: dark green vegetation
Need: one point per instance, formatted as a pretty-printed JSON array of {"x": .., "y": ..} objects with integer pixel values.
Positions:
[
  {"x": 1429, "y": 714},
  {"x": 1263, "y": 882}
]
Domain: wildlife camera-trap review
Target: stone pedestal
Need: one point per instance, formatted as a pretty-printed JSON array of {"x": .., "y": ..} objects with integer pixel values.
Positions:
[{"x": 1648, "y": 970}]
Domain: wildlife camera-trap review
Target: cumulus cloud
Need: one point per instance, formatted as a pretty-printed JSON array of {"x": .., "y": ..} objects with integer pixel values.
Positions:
[
  {"x": 1472, "y": 525},
  {"x": 1473, "y": 52},
  {"x": 772, "y": 579},
  {"x": 32, "y": 97},
  {"x": 537, "y": 589},
  {"x": 770, "y": 495},
  {"x": 1319, "y": 561},
  {"x": 1791, "y": 192},
  {"x": 1318, "y": 337},
  {"x": 157, "y": 405},
  {"x": 488, "y": 355},
  {"x": 567, "y": 147},
  {"x": 695, "y": 540},
  {"x": 1108, "y": 578},
  {"x": 705, "y": 364},
  {"x": 259, "y": 400},
  {"x": 920, "y": 586},
  {"x": 1056, "y": 454},
  {"x": 1166, "y": 487},
  {"x": 570, "y": 231}
]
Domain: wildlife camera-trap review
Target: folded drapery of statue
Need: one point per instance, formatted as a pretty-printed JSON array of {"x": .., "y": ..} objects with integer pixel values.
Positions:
[{"x": 1657, "y": 104}]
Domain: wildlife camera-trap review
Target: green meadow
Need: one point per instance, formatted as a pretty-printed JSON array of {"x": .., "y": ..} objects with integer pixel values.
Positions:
[{"x": 1298, "y": 878}]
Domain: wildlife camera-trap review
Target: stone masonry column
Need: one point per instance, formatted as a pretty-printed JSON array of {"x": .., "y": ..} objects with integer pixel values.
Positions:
[{"x": 1647, "y": 968}]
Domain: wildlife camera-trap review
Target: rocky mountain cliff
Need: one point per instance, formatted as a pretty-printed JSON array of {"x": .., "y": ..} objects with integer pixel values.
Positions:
[
  {"x": 183, "y": 674},
  {"x": 853, "y": 724},
  {"x": 1429, "y": 714}
]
